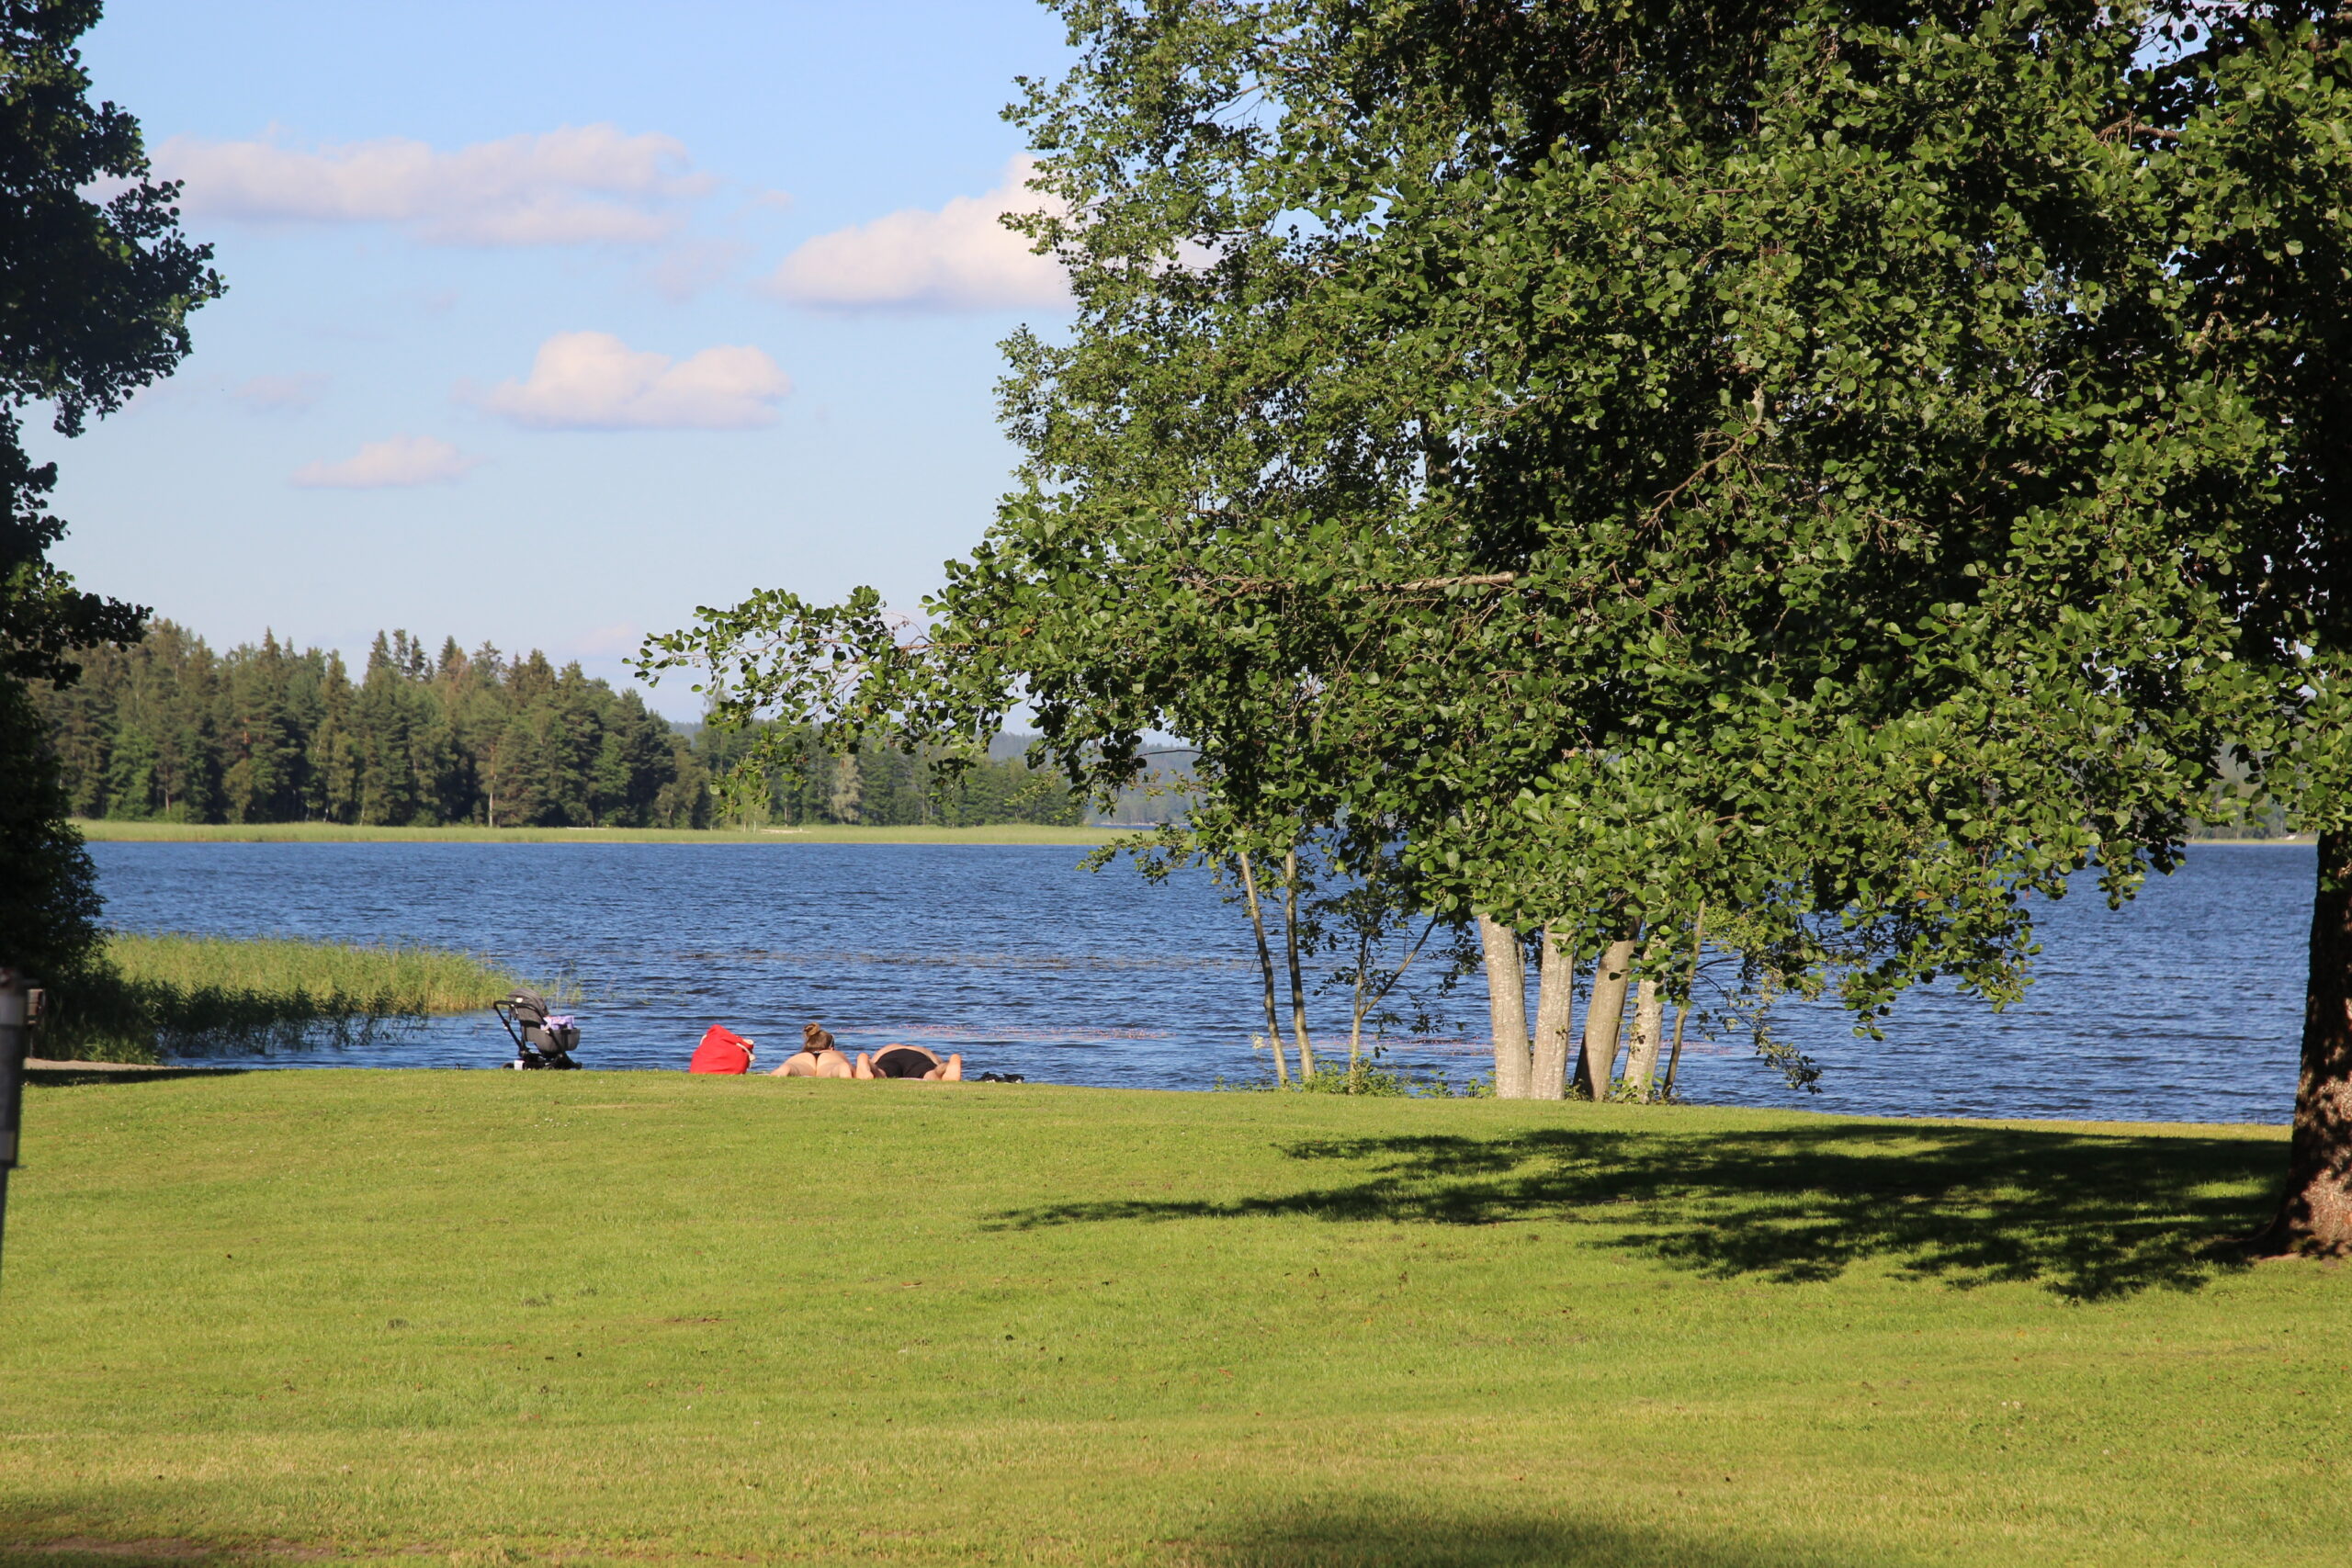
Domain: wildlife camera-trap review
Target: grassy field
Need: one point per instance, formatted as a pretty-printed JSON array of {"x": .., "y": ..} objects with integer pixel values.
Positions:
[
  {"x": 197, "y": 992},
  {"x": 498, "y": 1318},
  {"x": 338, "y": 833}
]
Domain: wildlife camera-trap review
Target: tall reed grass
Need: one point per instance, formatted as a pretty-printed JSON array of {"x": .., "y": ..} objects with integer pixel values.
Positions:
[{"x": 153, "y": 996}]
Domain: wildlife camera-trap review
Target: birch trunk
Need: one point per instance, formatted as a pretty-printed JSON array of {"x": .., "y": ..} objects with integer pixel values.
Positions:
[
  {"x": 2315, "y": 1214},
  {"x": 1506, "y": 1006},
  {"x": 1555, "y": 1004},
  {"x": 1649, "y": 1035},
  {"x": 1360, "y": 1003},
  {"x": 1290, "y": 945},
  {"x": 1604, "y": 1018},
  {"x": 1265, "y": 971},
  {"x": 1682, "y": 1009}
]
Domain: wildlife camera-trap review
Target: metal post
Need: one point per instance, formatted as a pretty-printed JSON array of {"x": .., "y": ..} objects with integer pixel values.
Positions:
[{"x": 16, "y": 1037}]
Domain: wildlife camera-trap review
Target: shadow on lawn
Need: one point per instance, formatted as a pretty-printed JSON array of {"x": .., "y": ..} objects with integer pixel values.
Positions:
[
  {"x": 1379, "y": 1535},
  {"x": 2088, "y": 1215}
]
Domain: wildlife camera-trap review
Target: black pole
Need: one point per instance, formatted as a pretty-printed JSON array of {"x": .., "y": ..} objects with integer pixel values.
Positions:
[{"x": 16, "y": 1037}]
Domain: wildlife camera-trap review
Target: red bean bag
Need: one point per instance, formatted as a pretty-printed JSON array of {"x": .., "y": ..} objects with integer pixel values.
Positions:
[{"x": 721, "y": 1050}]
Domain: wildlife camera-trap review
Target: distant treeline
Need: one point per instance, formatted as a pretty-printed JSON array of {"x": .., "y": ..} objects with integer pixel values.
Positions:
[{"x": 170, "y": 730}]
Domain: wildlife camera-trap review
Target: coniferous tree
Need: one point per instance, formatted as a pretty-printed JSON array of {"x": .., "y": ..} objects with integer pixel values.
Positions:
[
  {"x": 383, "y": 729},
  {"x": 167, "y": 728},
  {"x": 333, "y": 754}
]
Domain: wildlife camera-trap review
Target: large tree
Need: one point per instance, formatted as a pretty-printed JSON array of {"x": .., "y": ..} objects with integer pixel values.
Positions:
[
  {"x": 1843, "y": 467},
  {"x": 94, "y": 291},
  {"x": 2255, "y": 115},
  {"x": 1664, "y": 456},
  {"x": 1622, "y": 447}
]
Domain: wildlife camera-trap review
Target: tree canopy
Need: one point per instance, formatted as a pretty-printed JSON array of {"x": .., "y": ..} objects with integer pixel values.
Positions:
[
  {"x": 94, "y": 293},
  {"x": 1840, "y": 466}
]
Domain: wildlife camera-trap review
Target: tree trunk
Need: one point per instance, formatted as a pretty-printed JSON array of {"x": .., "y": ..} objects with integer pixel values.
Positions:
[
  {"x": 1556, "y": 1003},
  {"x": 1290, "y": 943},
  {"x": 1265, "y": 971},
  {"x": 1682, "y": 1009},
  {"x": 1604, "y": 1018},
  {"x": 1506, "y": 1006},
  {"x": 1649, "y": 1034},
  {"x": 2315, "y": 1215},
  {"x": 1359, "y": 1002}
]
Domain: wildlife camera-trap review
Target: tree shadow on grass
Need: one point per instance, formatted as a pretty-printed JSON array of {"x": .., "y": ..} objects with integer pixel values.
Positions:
[
  {"x": 2085, "y": 1214},
  {"x": 89, "y": 1552},
  {"x": 1380, "y": 1534}
]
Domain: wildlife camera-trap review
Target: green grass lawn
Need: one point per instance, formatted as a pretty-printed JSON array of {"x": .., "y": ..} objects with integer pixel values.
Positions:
[
  {"x": 338, "y": 833},
  {"x": 482, "y": 1318}
]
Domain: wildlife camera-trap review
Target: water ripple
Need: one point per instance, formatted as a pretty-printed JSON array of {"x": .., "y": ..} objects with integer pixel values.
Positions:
[{"x": 2184, "y": 1006}]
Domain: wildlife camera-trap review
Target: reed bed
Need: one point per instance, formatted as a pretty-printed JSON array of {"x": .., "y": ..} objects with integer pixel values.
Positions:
[{"x": 182, "y": 994}]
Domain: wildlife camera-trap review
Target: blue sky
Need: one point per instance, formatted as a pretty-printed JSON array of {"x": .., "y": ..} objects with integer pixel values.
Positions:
[{"x": 548, "y": 322}]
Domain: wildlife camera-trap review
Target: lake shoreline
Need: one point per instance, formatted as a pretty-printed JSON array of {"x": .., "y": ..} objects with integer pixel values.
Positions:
[
  {"x": 56, "y": 1073},
  {"x": 1014, "y": 833},
  {"x": 116, "y": 832}
]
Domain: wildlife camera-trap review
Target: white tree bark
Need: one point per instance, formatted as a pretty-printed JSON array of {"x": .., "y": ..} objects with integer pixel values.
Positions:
[
  {"x": 1506, "y": 1007},
  {"x": 1604, "y": 1017},
  {"x": 1556, "y": 1001},
  {"x": 1649, "y": 1034},
  {"x": 1290, "y": 947},
  {"x": 1265, "y": 967}
]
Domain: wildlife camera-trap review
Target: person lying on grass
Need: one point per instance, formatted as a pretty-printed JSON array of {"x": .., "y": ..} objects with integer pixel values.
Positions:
[
  {"x": 910, "y": 1062},
  {"x": 817, "y": 1058}
]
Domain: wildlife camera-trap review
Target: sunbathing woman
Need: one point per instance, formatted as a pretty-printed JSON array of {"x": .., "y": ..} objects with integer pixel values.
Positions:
[
  {"x": 817, "y": 1057},
  {"x": 910, "y": 1062}
]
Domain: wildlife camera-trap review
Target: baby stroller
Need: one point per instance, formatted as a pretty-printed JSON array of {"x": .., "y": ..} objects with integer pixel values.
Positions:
[{"x": 540, "y": 1041}]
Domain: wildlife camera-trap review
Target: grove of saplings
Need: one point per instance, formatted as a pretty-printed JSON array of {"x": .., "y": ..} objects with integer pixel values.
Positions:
[{"x": 166, "y": 730}]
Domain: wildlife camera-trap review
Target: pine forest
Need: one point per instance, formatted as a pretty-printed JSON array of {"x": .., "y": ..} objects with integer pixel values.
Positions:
[{"x": 167, "y": 729}]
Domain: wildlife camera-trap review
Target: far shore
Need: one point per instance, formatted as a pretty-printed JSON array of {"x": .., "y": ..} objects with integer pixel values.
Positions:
[
  {"x": 110, "y": 831},
  {"x": 115, "y": 831}
]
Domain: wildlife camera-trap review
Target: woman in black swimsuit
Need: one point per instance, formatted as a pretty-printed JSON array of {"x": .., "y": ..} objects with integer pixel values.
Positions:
[{"x": 910, "y": 1062}]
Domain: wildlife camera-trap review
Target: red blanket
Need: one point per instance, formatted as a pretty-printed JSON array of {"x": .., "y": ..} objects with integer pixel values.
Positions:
[{"x": 721, "y": 1050}]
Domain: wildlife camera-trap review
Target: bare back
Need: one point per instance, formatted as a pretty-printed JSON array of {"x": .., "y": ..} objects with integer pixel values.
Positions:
[{"x": 814, "y": 1065}]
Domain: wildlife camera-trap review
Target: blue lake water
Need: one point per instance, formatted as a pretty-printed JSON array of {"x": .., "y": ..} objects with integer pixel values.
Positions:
[{"x": 2184, "y": 1006}]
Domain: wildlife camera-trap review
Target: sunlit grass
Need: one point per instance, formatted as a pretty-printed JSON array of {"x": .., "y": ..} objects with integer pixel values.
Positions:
[{"x": 410, "y": 1317}]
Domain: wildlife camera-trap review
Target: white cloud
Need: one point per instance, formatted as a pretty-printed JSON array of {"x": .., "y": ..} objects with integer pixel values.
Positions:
[
  {"x": 958, "y": 258},
  {"x": 595, "y": 381},
  {"x": 390, "y": 465},
  {"x": 576, "y": 185},
  {"x": 281, "y": 394}
]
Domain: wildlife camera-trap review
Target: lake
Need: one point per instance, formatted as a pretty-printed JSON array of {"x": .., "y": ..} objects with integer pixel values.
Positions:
[{"x": 2184, "y": 1006}]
